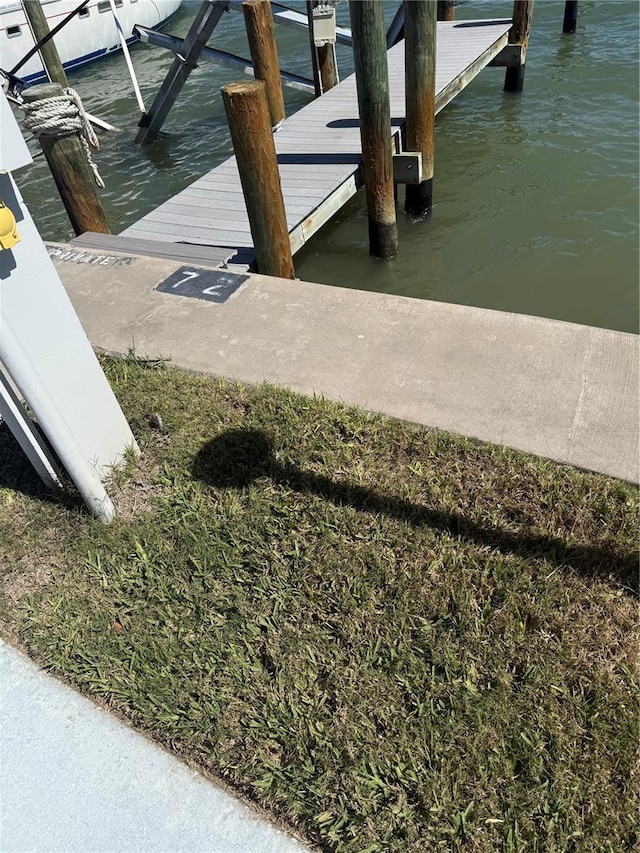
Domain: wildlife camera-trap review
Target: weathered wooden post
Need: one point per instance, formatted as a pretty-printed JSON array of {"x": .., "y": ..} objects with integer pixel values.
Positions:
[
  {"x": 264, "y": 54},
  {"x": 315, "y": 64},
  {"x": 323, "y": 57},
  {"x": 420, "y": 94},
  {"x": 372, "y": 81},
  {"x": 519, "y": 35},
  {"x": 250, "y": 124},
  {"x": 70, "y": 167},
  {"x": 446, "y": 11},
  {"x": 570, "y": 21},
  {"x": 49, "y": 52}
]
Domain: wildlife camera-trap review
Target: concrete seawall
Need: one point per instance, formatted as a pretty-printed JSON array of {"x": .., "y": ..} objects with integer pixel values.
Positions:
[{"x": 554, "y": 389}]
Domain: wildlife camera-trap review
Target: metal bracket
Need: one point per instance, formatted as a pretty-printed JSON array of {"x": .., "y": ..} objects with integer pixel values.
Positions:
[
  {"x": 510, "y": 56},
  {"x": 13, "y": 85},
  {"x": 407, "y": 167}
]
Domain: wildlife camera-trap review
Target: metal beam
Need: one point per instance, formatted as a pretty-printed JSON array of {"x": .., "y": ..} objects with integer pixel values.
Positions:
[
  {"x": 199, "y": 34},
  {"x": 218, "y": 57}
]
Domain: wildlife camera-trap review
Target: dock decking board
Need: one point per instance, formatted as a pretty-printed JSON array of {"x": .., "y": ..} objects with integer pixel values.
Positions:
[{"x": 318, "y": 151}]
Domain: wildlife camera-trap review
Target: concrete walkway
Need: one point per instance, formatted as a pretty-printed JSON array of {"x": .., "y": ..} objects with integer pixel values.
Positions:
[
  {"x": 76, "y": 780},
  {"x": 555, "y": 389}
]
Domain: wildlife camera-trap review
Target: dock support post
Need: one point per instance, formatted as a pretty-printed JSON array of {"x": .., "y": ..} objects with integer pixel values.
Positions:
[
  {"x": 264, "y": 54},
  {"x": 570, "y": 21},
  {"x": 519, "y": 34},
  {"x": 420, "y": 94},
  {"x": 323, "y": 58},
  {"x": 446, "y": 11},
  {"x": 372, "y": 82},
  {"x": 71, "y": 170},
  {"x": 315, "y": 62},
  {"x": 199, "y": 34},
  {"x": 48, "y": 52},
  {"x": 250, "y": 124}
]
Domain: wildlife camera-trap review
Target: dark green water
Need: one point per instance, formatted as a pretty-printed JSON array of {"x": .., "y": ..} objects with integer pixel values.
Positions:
[{"x": 536, "y": 195}]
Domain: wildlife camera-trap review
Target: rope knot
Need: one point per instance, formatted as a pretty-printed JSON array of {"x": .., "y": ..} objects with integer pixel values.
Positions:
[{"x": 60, "y": 116}]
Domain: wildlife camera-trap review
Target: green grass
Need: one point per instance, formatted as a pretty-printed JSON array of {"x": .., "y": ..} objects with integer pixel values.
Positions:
[{"x": 388, "y": 638}]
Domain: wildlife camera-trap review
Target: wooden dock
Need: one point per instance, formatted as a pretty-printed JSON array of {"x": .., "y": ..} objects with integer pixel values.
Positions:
[{"x": 318, "y": 151}]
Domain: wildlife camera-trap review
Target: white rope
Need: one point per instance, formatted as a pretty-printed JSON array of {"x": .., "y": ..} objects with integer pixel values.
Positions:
[{"x": 61, "y": 116}]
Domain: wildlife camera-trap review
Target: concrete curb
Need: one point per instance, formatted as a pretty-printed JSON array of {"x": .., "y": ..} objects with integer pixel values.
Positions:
[{"x": 558, "y": 390}]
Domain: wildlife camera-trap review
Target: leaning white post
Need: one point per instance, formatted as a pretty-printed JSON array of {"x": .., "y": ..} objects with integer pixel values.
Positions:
[{"x": 44, "y": 351}]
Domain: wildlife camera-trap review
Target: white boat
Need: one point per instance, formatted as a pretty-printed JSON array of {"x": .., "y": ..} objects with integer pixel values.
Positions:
[{"x": 89, "y": 35}]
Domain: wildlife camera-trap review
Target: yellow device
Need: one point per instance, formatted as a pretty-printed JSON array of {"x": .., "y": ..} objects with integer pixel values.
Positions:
[{"x": 8, "y": 231}]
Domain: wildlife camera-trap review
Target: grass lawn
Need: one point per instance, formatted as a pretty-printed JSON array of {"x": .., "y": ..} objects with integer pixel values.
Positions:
[{"x": 388, "y": 638}]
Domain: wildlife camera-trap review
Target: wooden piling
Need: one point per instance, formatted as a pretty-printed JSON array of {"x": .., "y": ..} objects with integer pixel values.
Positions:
[
  {"x": 372, "y": 82},
  {"x": 71, "y": 171},
  {"x": 420, "y": 95},
  {"x": 570, "y": 22},
  {"x": 446, "y": 11},
  {"x": 519, "y": 35},
  {"x": 327, "y": 65},
  {"x": 315, "y": 64},
  {"x": 323, "y": 58},
  {"x": 250, "y": 124},
  {"x": 264, "y": 54},
  {"x": 49, "y": 52}
]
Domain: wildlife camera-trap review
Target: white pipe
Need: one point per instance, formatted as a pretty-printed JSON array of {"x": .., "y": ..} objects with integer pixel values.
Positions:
[
  {"x": 19, "y": 366},
  {"x": 127, "y": 57},
  {"x": 101, "y": 123}
]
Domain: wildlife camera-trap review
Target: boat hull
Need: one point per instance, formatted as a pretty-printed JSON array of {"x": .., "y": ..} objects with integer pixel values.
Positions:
[{"x": 84, "y": 39}]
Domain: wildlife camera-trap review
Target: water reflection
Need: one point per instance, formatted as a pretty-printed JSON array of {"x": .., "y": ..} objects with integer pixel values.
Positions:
[{"x": 535, "y": 196}]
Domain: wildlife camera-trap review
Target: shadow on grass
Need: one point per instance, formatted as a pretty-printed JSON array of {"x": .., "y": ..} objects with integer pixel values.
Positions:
[
  {"x": 236, "y": 458},
  {"x": 17, "y": 473}
]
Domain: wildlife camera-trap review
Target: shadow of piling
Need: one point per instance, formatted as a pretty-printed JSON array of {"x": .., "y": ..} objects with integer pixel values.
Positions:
[{"x": 236, "y": 458}]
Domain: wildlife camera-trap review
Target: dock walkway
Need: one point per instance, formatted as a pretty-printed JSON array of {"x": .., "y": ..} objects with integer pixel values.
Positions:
[{"x": 319, "y": 153}]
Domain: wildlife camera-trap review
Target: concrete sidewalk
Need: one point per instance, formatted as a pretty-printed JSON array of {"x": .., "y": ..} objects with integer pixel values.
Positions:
[
  {"x": 76, "y": 780},
  {"x": 555, "y": 389}
]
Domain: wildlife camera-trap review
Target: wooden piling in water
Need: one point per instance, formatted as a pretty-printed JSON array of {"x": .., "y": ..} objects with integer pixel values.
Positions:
[
  {"x": 327, "y": 66},
  {"x": 372, "y": 83},
  {"x": 323, "y": 58},
  {"x": 71, "y": 171},
  {"x": 49, "y": 52},
  {"x": 570, "y": 22},
  {"x": 264, "y": 54},
  {"x": 420, "y": 96},
  {"x": 250, "y": 124},
  {"x": 446, "y": 11},
  {"x": 519, "y": 35}
]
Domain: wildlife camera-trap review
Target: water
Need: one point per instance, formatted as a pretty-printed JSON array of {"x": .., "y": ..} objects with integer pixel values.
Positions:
[{"x": 536, "y": 195}]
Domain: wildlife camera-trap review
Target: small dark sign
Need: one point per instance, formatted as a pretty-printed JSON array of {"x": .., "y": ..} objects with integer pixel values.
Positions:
[{"x": 212, "y": 285}]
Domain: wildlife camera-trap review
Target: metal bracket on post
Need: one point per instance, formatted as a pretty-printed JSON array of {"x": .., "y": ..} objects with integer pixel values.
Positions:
[
  {"x": 407, "y": 167},
  {"x": 510, "y": 56}
]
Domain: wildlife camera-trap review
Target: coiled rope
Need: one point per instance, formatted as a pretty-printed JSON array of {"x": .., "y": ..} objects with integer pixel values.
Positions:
[{"x": 63, "y": 115}]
